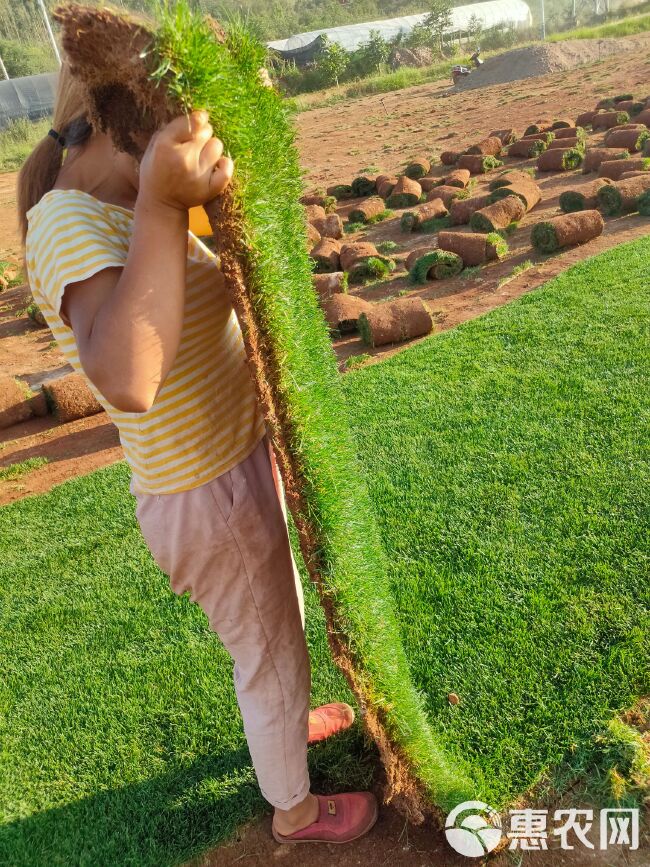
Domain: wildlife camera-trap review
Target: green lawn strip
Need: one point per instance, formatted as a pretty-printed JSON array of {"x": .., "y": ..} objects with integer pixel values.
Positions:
[
  {"x": 16, "y": 471},
  {"x": 121, "y": 741},
  {"x": 512, "y": 501}
]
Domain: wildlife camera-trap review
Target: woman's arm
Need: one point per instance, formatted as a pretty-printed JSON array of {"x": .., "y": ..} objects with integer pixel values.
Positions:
[{"x": 127, "y": 322}]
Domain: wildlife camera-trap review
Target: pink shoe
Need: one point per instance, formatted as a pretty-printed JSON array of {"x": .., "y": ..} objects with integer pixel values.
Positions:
[
  {"x": 328, "y": 720},
  {"x": 341, "y": 819}
]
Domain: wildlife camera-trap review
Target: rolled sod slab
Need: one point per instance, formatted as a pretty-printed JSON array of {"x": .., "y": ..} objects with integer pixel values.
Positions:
[
  {"x": 367, "y": 210},
  {"x": 586, "y": 118},
  {"x": 395, "y": 322},
  {"x": 509, "y": 177},
  {"x": 632, "y": 140},
  {"x": 567, "y": 230},
  {"x": 362, "y": 262},
  {"x": 622, "y": 97},
  {"x": 314, "y": 212},
  {"x": 450, "y": 158},
  {"x": 631, "y": 107},
  {"x": 406, "y": 193},
  {"x": 417, "y": 219},
  {"x": 330, "y": 226},
  {"x": 418, "y": 168},
  {"x": 70, "y": 398},
  {"x": 363, "y": 186},
  {"x": 643, "y": 204},
  {"x": 386, "y": 185},
  {"x": 562, "y": 123},
  {"x": 627, "y": 175},
  {"x": 498, "y": 215},
  {"x": 608, "y": 119},
  {"x": 595, "y": 156},
  {"x": 505, "y": 136},
  {"x": 14, "y": 402},
  {"x": 621, "y": 197},
  {"x": 613, "y": 169},
  {"x": 569, "y": 132},
  {"x": 430, "y": 183},
  {"x": 328, "y": 203},
  {"x": 528, "y": 191},
  {"x": 416, "y": 254},
  {"x": 447, "y": 194},
  {"x": 461, "y": 210},
  {"x": 326, "y": 255},
  {"x": 327, "y": 285},
  {"x": 477, "y": 164},
  {"x": 340, "y": 192},
  {"x": 573, "y": 142},
  {"x": 458, "y": 178},
  {"x": 342, "y": 312},
  {"x": 538, "y": 126},
  {"x": 559, "y": 160},
  {"x": 488, "y": 147},
  {"x": 474, "y": 249},
  {"x": 644, "y": 117},
  {"x": 435, "y": 265},
  {"x": 527, "y": 147},
  {"x": 583, "y": 198},
  {"x": 313, "y": 236}
]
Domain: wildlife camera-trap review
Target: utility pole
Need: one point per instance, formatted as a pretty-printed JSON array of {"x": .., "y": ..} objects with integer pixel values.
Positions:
[
  {"x": 543, "y": 21},
  {"x": 3, "y": 69},
  {"x": 48, "y": 27}
]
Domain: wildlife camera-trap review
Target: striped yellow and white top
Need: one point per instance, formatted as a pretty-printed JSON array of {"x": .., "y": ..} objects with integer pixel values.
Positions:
[{"x": 206, "y": 418}]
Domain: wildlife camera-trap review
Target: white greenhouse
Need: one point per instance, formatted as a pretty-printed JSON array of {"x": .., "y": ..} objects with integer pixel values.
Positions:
[{"x": 303, "y": 46}]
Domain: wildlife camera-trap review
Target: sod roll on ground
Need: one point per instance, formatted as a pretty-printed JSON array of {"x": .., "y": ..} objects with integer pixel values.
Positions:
[{"x": 138, "y": 79}]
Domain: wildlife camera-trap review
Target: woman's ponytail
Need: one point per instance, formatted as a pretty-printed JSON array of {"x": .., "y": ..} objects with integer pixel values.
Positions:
[{"x": 69, "y": 127}]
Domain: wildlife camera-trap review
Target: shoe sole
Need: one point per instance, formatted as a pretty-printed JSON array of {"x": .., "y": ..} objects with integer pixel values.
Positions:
[
  {"x": 321, "y": 740},
  {"x": 280, "y": 839}
]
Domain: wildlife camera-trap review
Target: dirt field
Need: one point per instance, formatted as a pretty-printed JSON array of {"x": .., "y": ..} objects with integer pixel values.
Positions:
[{"x": 373, "y": 133}]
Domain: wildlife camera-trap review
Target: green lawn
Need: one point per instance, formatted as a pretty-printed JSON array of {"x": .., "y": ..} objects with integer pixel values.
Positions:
[{"x": 508, "y": 464}]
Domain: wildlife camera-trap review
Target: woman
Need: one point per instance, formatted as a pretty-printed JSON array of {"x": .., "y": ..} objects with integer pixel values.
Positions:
[{"x": 138, "y": 306}]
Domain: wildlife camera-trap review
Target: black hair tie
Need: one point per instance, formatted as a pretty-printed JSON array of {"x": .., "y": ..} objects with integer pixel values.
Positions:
[{"x": 57, "y": 137}]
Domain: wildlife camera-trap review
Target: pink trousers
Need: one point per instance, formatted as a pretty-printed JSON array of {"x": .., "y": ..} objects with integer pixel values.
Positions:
[{"x": 226, "y": 542}]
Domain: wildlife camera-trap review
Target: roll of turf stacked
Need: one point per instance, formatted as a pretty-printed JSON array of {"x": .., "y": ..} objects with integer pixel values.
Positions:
[
  {"x": 363, "y": 262},
  {"x": 498, "y": 215},
  {"x": 473, "y": 249},
  {"x": 566, "y": 230},
  {"x": 595, "y": 156},
  {"x": 586, "y": 118},
  {"x": 385, "y": 185},
  {"x": 136, "y": 78},
  {"x": 477, "y": 164},
  {"x": 527, "y": 148},
  {"x": 368, "y": 211},
  {"x": 559, "y": 159},
  {"x": 327, "y": 285},
  {"x": 583, "y": 198},
  {"x": 573, "y": 142},
  {"x": 491, "y": 146},
  {"x": 570, "y": 132},
  {"x": 632, "y": 140},
  {"x": 527, "y": 190},
  {"x": 458, "y": 178},
  {"x": 406, "y": 193},
  {"x": 326, "y": 255},
  {"x": 418, "y": 168},
  {"x": 450, "y": 158},
  {"x": 538, "y": 126},
  {"x": 435, "y": 265},
  {"x": 395, "y": 322},
  {"x": 460, "y": 211},
  {"x": 425, "y": 218},
  {"x": 340, "y": 192},
  {"x": 69, "y": 398},
  {"x": 447, "y": 194},
  {"x": 643, "y": 203},
  {"x": 363, "y": 186},
  {"x": 330, "y": 226},
  {"x": 608, "y": 119},
  {"x": 622, "y": 197},
  {"x": 505, "y": 136},
  {"x": 562, "y": 123},
  {"x": 614, "y": 169},
  {"x": 511, "y": 176}
]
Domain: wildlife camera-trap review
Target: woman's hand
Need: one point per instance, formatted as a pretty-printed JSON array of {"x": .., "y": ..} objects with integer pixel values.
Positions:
[{"x": 184, "y": 166}]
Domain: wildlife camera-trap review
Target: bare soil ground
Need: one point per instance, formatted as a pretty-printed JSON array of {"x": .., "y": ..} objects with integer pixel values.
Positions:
[{"x": 374, "y": 133}]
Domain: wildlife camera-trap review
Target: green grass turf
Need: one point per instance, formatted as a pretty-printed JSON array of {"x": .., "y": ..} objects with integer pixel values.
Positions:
[{"x": 511, "y": 499}]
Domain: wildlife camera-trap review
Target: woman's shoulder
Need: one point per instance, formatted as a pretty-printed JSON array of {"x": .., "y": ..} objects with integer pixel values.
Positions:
[{"x": 69, "y": 202}]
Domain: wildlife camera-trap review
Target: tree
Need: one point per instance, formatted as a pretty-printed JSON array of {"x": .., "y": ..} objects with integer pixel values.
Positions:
[
  {"x": 439, "y": 20},
  {"x": 333, "y": 61},
  {"x": 474, "y": 29}
]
